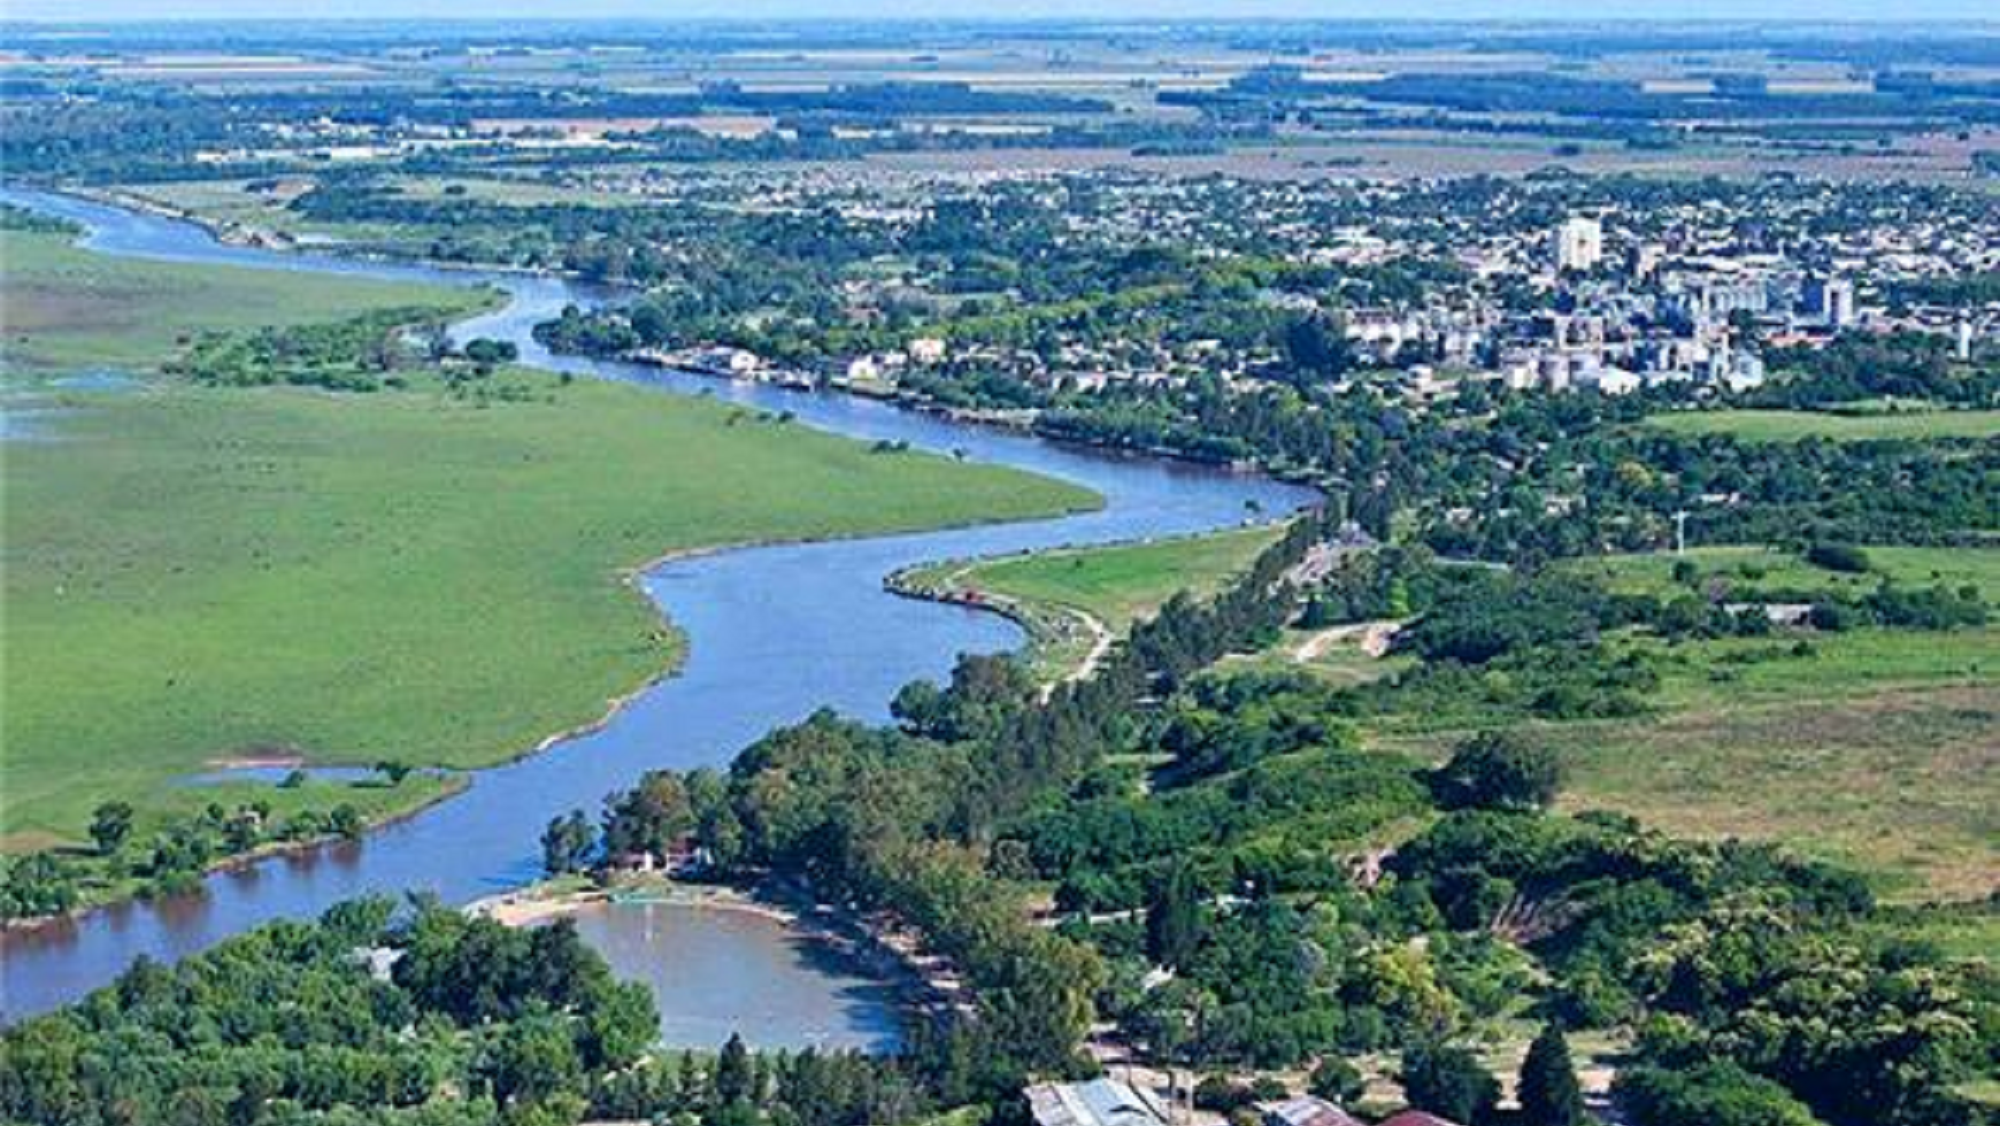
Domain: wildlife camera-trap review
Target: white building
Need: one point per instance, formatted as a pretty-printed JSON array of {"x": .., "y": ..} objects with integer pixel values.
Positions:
[
  {"x": 1830, "y": 301},
  {"x": 1579, "y": 244}
]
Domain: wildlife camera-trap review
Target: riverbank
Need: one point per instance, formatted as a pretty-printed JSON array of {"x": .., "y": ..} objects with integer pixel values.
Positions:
[
  {"x": 784, "y": 629},
  {"x": 382, "y": 807},
  {"x": 465, "y": 570},
  {"x": 1074, "y": 602}
]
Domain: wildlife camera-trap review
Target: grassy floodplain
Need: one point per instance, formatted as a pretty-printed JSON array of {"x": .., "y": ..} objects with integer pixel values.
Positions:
[
  {"x": 67, "y": 308},
  {"x": 203, "y": 573},
  {"x": 1071, "y": 598},
  {"x": 1791, "y": 426}
]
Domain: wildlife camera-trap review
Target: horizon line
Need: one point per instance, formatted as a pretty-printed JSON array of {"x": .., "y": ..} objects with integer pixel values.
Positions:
[{"x": 1788, "y": 21}]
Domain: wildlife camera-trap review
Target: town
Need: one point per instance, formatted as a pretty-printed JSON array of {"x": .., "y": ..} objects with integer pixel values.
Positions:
[{"x": 1427, "y": 288}]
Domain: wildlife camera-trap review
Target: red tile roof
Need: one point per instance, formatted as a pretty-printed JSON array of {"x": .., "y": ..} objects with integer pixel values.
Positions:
[{"x": 1418, "y": 1118}]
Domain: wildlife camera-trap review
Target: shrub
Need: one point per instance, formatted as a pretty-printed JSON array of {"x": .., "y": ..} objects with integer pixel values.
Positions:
[
  {"x": 1843, "y": 557},
  {"x": 1497, "y": 770}
]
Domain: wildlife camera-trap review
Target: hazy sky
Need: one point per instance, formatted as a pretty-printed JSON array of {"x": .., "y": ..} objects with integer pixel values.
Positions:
[{"x": 1001, "y": 9}]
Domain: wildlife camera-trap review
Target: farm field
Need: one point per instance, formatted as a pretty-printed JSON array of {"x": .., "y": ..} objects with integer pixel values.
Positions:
[
  {"x": 66, "y": 309},
  {"x": 203, "y": 574},
  {"x": 1789, "y": 426}
]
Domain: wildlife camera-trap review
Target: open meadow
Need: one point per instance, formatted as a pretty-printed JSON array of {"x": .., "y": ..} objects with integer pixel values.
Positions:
[
  {"x": 1874, "y": 748},
  {"x": 197, "y": 574},
  {"x": 1074, "y": 600},
  {"x": 67, "y": 309},
  {"x": 1790, "y": 426}
]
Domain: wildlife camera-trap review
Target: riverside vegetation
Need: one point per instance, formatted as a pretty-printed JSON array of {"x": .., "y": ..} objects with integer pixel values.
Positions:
[
  {"x": 1718, "y": 826},
  {"x": 435, "y": 512}
]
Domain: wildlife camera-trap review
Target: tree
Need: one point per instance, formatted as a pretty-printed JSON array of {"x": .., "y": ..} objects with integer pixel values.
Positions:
[
  {"x": 566, "y": 843},
  {"x": 1497, "y": 770},
  {"x": 1717, "y": 1093},
  {"x": 1549, "y": 1093},
  {"x": 345, "y": 821},
  {"x": 110, "y": 826},
  {"x": 732, "y": 1072},
  {"x": 1449, "y": 1081},
  {"x": 395, "y": 770},
  {"x": 1337, "y": 1081},
  {"x": 1173, "y": 920},
  {"x": 1317, "y": 346},
  {"x": 649, "y": 817},
  {"x": 487, "y": 353},
  {"x": 534, "y": 1059}
]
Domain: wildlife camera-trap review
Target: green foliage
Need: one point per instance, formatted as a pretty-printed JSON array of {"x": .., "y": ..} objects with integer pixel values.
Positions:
[
  {"x": 1713, "y": 1094},
  {"x": 351, "y": 355},
  {"x": 1548, "y": 1091},
  {"x": 1844, "y": 557},
  {"x": 1498, "y": 770},
  {"x": 1337, "y": 1081},
  {"x": 286, "y": 1024},
  {"x": 1449, "y": 1081},
  {"x": 110, "y": 825},
  {"x": 1173, "y": 920},
  {"x": 567, "y": 843}
]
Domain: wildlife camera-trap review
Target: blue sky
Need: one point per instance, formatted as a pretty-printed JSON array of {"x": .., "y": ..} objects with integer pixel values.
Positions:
[{"x": 989, "y": 9}]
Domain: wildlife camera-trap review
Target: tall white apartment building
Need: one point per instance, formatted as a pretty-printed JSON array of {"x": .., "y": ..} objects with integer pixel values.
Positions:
[{"x": 1579, "y": 243}]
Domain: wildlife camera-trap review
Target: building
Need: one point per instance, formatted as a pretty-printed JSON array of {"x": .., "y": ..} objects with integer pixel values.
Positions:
[
  {"x": 1579, "y": 244},
  {"x": 1306, "y": 1110},
  {"x": 1830, "y": 301},
  {"x": 1099, "y": 1102},
  {"x": 1417, "y": 1118}
]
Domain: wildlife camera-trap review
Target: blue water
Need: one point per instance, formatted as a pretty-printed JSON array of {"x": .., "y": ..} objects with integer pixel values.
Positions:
[{"x": 774, "y": 633}]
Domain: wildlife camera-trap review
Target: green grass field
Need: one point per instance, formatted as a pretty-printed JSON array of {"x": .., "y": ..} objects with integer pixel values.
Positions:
[
  {"x": 1873, "y": 748},
  {"x": 65, "y": 309},
  {"x": 1065, "y": 597},
  {"x": 1118, "y": 584},
  {"x": 1790, "y": 426},
  {"x": 196, "y": 574},
  {"x": 1748, "y": 571}
]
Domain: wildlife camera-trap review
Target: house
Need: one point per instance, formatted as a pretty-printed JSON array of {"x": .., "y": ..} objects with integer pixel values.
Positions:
[
  {"x": 927, "y": 350},
  {"x": 1099, "y": 1102},
  {"x": 1305, "y": 1110},
  {"x": 1416, "y": 1118}
]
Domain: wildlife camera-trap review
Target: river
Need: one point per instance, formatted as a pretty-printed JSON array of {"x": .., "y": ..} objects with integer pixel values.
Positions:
[{"x": 774, "y": 632}]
